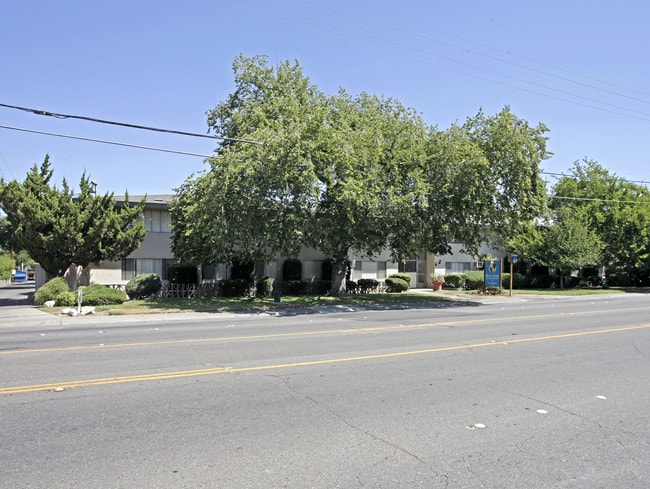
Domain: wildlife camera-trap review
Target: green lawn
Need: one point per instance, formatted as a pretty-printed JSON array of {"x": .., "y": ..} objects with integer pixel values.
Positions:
[
  {"x": 254, "y": 304},
  {"x": 221, "y": 304}
]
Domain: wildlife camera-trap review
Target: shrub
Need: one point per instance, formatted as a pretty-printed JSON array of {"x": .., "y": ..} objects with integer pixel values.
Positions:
[
  {"x": 238, "y": 287},
  {"x": 100, "y": 295},
  {"x": 402, "y": 276},
  {"x": 66, "y": 299},
  {"x": 143, "y": 286},
  {"x": 366, "y": 285},
  {"x": 182, "y": 274},
  {"x": 474, "y": 280},
  {"x": 264, "y": 287},
  {"x": 50, "y": 290},
  {"x": 395, "y": 284},
  {"x": 320, "y": 287},
  {"x": 455, "y": 281},
  {"x": 351, "y": 286},
  {"x": 291, "y": 269},
  {"x": 294, "y": 287}
]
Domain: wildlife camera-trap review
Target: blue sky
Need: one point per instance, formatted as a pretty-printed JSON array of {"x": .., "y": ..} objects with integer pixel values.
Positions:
[{"x": 578, "y": 66}]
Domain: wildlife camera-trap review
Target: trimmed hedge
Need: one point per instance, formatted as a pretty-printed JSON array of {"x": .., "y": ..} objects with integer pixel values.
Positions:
[
  {"x": 294, "y": 287},
  {"x": 100, "y": 295},
  {"x": 366, "y": 285},
  {"x": 474, "y": 280},
  {"x": 402, "y": 276},
  {"x": 395, "y": 284},
  {"x": 50, "y": 290},
  {"x": 238, "y": 287},
  {"x": 144, "y": 286},
  {"x": 455, "y": 281}
]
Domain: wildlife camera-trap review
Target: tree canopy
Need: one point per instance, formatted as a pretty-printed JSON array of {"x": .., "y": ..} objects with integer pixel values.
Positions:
[
  {"x": 340, "y": 173},
  {"x": 58, "y": 228},
  {"x": 618, "y": 211}
]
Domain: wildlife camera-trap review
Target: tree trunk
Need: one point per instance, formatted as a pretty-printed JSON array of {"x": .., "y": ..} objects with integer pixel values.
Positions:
[{"x": 339, "y": 271}]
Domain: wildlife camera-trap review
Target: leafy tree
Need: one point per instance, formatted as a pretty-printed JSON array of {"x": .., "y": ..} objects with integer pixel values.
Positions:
[
  {"x": 341, "y": 173},
  {"x": 7, "y": 265},
  {"x": 569, "y": 243},
  {"x": 58, "y": 228},
  {"x": 617, "y": 210},
  {"x": 6, "y": 234}
]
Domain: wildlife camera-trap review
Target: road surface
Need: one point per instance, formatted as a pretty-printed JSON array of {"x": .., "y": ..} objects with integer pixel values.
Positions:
[{"x": 511, "y": 393}]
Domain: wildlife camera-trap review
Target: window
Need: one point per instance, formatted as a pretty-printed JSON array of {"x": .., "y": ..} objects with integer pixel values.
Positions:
[
  {"x": 157, "y": 221},
  {"x": 457, "y": 267},
  {"x": 128, "y": 268},
  {"x": 132, "y": 267},
  {"x": 381, "y": 269},
  {"x": 311, "y": 269}
]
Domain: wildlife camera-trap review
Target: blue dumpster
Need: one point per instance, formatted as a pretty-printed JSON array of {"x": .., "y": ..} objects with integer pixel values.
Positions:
[{"x": 20, "y": 276}]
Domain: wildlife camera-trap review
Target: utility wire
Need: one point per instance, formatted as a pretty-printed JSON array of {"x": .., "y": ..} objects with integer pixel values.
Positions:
[
  {"x": 124, "y": 124},
  {"x": 519, "y": 65},
  {"x": 565, "y": 175},
  {"x": 106, "y": 142},
  {"x": 609, "y": 201},
  {"x": 419, "y": 60}
]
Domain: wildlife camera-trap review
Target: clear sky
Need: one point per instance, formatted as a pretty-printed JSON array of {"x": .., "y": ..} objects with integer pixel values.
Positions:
[{"x": 581, "y": 67}]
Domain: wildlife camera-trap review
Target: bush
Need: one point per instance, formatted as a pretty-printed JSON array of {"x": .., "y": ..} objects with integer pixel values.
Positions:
[
  {"x": 351, "y": 286},
  {"x": 143, "y": 286},
  {"x": 182, "y": 274},
  {"x": 291, "y": 269},
  {"x": 264, "y": 287},
  {"x": 395, "y": 284},
  {"x": 402, "y": 276},
  {"x": 100, "y": 295},
  {"x": 320, "y": 287},
  {"x": 50, "y": 290},
  {"x": 455, "y": 281},
  {"x": 294, "y": 287},
  {"x": 474, "y": 280},
  {"x": 66, "y": 299},
  {"x": 366, "y": 285},
  {"x": 238, "y": 287}
]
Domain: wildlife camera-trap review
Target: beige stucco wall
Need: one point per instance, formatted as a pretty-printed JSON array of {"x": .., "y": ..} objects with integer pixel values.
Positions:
[{"x": 154, "y": 245}]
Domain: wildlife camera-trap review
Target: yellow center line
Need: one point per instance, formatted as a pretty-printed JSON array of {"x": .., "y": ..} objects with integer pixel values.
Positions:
[
  {"x": 369, "y": 329},
  {"x": 220, "y": 370}
]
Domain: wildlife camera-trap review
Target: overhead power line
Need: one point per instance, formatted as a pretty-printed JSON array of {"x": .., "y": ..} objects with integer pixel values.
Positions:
[
  {"x": 608, "y": 201},
  {"x": 150, "y": 148},
  {"x": 125, "y": 124},
  {"x": 621, "y": 111}
]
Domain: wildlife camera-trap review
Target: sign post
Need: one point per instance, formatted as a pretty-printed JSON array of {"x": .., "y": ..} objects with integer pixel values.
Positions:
[{"x": 513, "y": 260}]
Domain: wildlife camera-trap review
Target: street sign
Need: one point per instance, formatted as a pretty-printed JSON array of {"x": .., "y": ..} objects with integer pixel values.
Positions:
[{"x": 513, "y": 258}]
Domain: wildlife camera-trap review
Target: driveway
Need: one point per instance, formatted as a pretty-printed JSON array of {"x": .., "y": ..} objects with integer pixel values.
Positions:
[{"x": 16, "y": 305}]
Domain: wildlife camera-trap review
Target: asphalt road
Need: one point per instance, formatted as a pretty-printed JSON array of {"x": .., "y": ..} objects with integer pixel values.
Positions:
[{"x": 512, "y": 393}]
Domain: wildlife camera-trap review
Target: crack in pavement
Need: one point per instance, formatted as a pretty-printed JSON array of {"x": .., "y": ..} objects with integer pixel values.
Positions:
[{"x": 350, "y": 425}]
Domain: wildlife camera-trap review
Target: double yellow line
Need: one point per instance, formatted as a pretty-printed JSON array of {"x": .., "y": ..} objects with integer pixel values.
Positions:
[{"x": 60, "y": 386}]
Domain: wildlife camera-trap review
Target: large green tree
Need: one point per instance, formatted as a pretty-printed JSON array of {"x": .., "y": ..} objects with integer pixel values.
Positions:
[
  {"x": 58, "y": 228},
  {"x": 569, "y": 243},
  {"x": 341, "y": 173},
  {"x": 618, "y": 211}
]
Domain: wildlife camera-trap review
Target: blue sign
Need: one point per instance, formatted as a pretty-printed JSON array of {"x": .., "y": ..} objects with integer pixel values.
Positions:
[
  {"x": 514, "y": 258},
  {"x": 492, "y": 273}
]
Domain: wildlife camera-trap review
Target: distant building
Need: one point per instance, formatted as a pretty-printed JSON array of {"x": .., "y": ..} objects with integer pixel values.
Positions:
[{"x": 155, "y": 256}]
